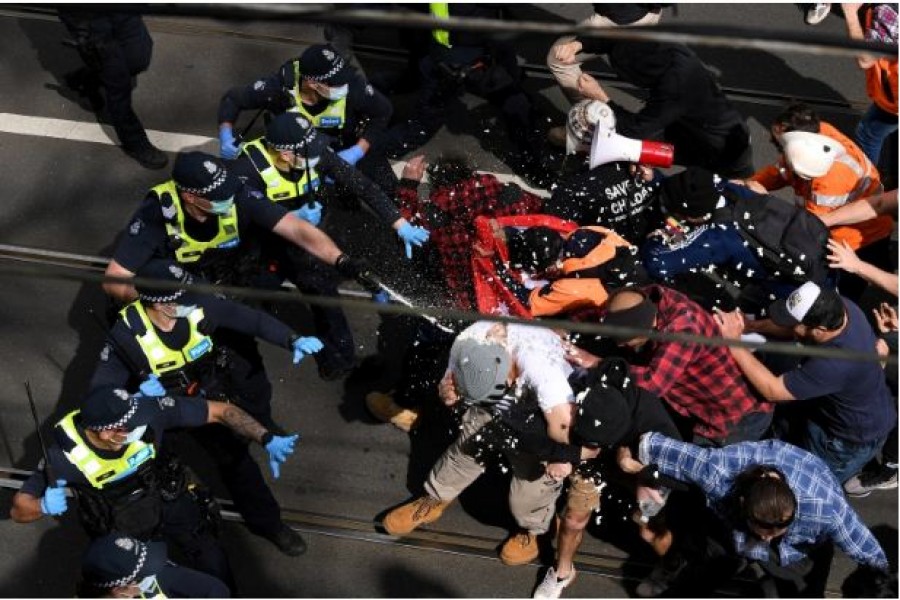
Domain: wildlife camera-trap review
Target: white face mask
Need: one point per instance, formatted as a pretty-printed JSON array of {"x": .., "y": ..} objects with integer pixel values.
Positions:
[
  {"x": 183, "y": 311},
  {"x": 300, "y": 162},
  {"x": 135, "y": 435},
  {"x": 221, "y": 207},
  {"x": 336, "y": 93}
]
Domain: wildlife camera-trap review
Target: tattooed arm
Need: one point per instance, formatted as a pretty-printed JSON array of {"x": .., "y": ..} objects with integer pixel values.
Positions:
[{"x": 239, "y": 421}]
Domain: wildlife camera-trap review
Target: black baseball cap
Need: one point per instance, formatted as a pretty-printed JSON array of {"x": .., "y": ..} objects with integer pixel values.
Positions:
[
  {"x": 602, "y": 419},
  {"x": 117, "y": 559},
  {"x": 204, "y": 175},
  {"x": 323, "y": 63},
  {"x": 693, "y": 193}
]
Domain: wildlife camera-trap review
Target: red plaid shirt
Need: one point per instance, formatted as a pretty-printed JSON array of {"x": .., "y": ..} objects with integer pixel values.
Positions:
[
  {"x": 453, "y": 231},
  {"x": 703, "y": 383}
]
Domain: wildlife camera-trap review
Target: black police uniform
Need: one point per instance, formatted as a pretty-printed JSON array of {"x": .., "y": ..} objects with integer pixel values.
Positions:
[
  {"x": 367, "y": 115},
  {"x": 150, "y": 503},
  {"x": 482, "y": 65},
  {"x": 122, "y": 361},
  {"x": 302, "y": 269},
  {"x": 116, "y": 47}
]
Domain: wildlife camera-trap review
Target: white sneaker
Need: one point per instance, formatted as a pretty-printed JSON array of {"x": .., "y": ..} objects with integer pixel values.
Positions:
[{"x": 551, "y": 586}]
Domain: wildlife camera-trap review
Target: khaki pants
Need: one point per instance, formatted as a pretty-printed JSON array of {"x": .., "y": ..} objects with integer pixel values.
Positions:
[
  {"x": 567, "y": 75},
  {"x": 532, "y": 494}
]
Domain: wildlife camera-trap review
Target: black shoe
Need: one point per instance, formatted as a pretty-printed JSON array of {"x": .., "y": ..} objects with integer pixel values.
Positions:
[
  {"x": 288, "y": 541},
  {"x": 148, "y": 156}
]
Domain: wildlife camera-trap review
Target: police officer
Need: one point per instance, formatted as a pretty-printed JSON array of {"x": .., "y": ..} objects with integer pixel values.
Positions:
[
  {"x": 322, "y": 87},
  {"x": 205, "y": 219},
  {"x": 108, "y": 453},
  {"x": 120, "y": 566},
  {"x": 289, "y": 164},
  {"x": 115, "y": 47},
  {"x": 164, "y": 338}
]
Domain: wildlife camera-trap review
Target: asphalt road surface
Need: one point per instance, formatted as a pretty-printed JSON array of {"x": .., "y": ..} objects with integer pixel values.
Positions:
[{"x": 68, "y": 188}]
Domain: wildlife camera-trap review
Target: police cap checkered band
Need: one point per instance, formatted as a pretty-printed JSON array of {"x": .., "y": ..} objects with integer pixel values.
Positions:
[
  {"x": 290, "y": 131},
  {"x": 109, "y": 408},
  {"x": 166, "y": 271},
  {"x": 116, "y": 560},
  {"x": 322, "y": 62},
  {"x": 204, "y": 175}
]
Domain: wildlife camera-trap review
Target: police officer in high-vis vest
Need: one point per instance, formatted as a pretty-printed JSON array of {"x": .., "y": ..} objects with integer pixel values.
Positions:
[
  {"x": 108, "y": 453},
  {"x": 289, "y": 164},
  {"x": 321, "y": 86},
  {"x": 164, "y": 341},
  {"x": 210, "y": 223},
  {"x": 120, "y": 566}
]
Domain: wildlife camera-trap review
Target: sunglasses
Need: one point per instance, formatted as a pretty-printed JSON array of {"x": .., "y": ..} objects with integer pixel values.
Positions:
[{"x": 771, "y": 525}]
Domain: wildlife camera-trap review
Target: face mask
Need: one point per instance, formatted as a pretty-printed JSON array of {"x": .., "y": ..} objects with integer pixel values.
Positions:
[
  {"x": 300, "y": 162},
  {"x": 148, "y": 585},
  {"x": 336, "y": 93},
  {"x": 182, "y": 311},
  {"x": 222, "y": 207},
  {"x": 135, "y": 435}
]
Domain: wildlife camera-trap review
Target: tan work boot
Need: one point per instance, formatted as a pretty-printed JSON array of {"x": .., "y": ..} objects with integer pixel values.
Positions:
[
  {"x": 520, "y": 549},
  {"x": 383, "y": 408},
  {"x": 556, "y": 136},
  {"x": 421, "y": 511}
]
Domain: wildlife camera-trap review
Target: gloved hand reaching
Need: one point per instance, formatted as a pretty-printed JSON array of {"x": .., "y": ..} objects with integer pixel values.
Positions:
[
  {"x": 228, "y": 146},
  {"x": 54, "y": 502},
  {"x": 279, "y": 448},
  {"x": 412, "y": 235},
  {"x": 312, "y": 214},
  {"x": 381, "y": 297},
  {"x": 303, "y": 346},
  {"x": 152, "y": 387},
  {"x": 352, "y": 155}
]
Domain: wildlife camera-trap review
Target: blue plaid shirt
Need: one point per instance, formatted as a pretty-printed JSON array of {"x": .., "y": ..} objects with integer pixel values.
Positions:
[{"x": 822, "y": 511}]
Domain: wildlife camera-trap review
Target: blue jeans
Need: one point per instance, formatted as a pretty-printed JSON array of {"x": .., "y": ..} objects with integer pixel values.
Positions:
[
  {"x": 843, "y": 457},
  {"x": 875, "y": 126}
]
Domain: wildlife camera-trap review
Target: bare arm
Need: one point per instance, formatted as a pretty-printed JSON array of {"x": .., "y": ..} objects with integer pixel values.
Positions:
[
  {"x": 559, "y": 420},
  {"x": 310, "y": 238},
  {"x": 843, "y": 257},
  {"x": 237, "y": 420},
  {"x": 863, "y": 210},
  {"x": 25, "y": 508},
  {"x": 122, "y": 292},
  {"x": 855, "y": 31}
]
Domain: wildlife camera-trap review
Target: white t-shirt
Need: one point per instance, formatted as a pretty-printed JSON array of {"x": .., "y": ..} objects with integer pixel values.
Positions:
[{"x": 539, "y": 355}]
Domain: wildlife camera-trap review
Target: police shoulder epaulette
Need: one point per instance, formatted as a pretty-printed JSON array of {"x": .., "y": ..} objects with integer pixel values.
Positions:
[{"x": 133, "y": 322}]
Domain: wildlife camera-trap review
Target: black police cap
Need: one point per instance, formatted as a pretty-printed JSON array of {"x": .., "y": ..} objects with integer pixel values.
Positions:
[
  {"x": 116, "y": 560},
  {"x": 166, "y": 271},
  {"x": 109, "y": 407},
  {"x": 323, "y": 63},
  {"x": 204, "y": 175}
]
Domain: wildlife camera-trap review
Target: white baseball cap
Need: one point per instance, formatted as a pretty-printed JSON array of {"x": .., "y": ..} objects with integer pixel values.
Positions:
[
  {"x": 794, "y": 309},
  {"x": 809, "y": 155}
]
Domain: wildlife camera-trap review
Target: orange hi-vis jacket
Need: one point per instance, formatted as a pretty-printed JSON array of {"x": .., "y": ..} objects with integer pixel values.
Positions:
[
  {"x": 851, "y": 178},
  {"x": 579, "y": 288}
]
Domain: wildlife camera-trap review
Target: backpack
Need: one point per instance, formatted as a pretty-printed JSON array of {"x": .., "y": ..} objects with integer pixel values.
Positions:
[{"x": 790, "y": 241}]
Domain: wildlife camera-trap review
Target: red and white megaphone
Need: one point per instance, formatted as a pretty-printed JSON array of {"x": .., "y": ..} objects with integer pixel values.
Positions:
[{"x": 608, "y": 146}]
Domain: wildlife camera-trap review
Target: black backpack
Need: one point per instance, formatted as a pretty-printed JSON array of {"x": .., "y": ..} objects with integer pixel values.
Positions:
[{"x": 790, "y": 241}]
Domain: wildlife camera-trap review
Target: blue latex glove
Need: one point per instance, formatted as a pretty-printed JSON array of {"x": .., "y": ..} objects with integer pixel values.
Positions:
[
  {"x": 310, "y": 214},
  {"x": 152, "y": 387},
  {"x": 228, "y": 146},
  {"x": 279, "y": 448},
  {"x": 54, "y": 500},
  {"x": 412, "y": 236},
  {"x": 352, "y": 154},
  {"x": 305, "y": 345},
  {"x": 381, "y": 297}
]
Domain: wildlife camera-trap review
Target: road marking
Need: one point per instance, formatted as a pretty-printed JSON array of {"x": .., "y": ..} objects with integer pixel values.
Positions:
[
  {"x": 92, "y": 132},
  {"x": 82, "y": 131}
]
